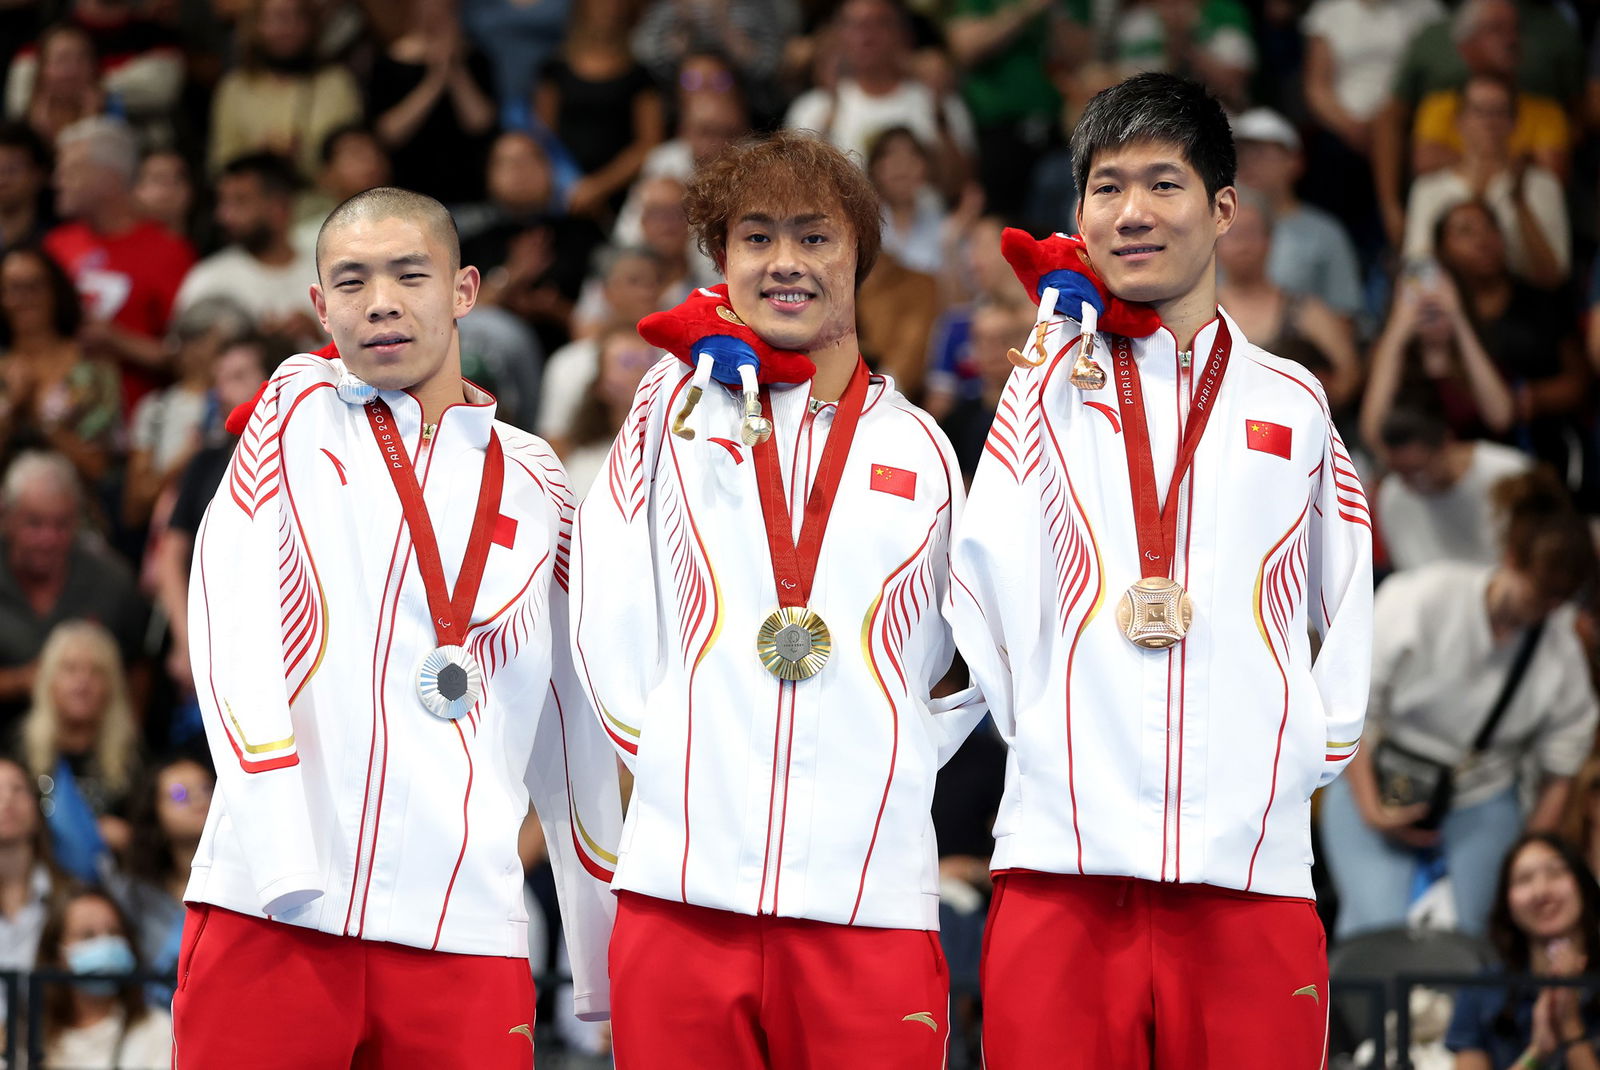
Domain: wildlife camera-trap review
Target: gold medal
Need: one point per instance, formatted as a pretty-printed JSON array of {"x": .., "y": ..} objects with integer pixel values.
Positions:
[
  {"x": 1155, "y": 613},
  {"x": 794, "y": 643}
]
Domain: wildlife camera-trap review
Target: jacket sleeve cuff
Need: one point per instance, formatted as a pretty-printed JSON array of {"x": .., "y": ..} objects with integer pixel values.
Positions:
[
  {"x": 290, "y": 892},
  {"x": 592, "y": 1006}
]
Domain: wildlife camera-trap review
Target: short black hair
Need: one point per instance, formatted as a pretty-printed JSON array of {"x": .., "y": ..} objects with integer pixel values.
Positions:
[
  {"x": 276, "y": 173},
  {"x": 1158, "y": 107},
  {"x": 1414, "y": 425},
  {"x": 19, "y": 135},
  {"x": 392, "y": 202}
]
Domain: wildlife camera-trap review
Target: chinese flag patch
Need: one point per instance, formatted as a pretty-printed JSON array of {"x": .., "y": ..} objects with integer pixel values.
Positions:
[
  {"x": 505, "y": 531},
  {"x": 1268, "y": 437},
  {"x": 892, "y": 480}
]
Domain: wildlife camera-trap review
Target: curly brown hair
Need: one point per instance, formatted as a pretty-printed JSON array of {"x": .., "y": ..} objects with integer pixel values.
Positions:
[{"x": 783, "y": 174}]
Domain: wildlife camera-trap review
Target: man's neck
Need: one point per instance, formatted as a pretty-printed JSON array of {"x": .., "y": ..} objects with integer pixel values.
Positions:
[
  {"x": 1185, "y": 315},
  {"x": 835, "y": 365},
  {"x": 1284, "y": 202},
  {"x": 443, "y": 390},
  {"x": 878, "y": 82},
  {"x": 278, "y": 254}
]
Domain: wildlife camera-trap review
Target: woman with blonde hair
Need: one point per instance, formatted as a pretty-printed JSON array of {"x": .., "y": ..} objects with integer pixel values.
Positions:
[{"x": 79, "y": 741}]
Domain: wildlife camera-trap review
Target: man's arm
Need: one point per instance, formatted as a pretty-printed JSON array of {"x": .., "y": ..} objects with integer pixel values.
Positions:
[
  {"x": 572, "y": 781},
  {"x": 1340, "y": 602},
  {"x": 616, "y": 628},
  {"x": 237, "y": 654}
]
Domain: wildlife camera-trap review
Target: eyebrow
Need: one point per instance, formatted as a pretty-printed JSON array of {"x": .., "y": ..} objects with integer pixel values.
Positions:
[
  {"x": 794, "y": 221},
  {"x": 1160, "y": 167},
  {"x": 358, "y": 267}
]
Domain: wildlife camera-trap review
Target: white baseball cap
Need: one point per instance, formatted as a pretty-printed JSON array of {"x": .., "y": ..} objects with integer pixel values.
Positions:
[{"x": 1264, "y": 124}]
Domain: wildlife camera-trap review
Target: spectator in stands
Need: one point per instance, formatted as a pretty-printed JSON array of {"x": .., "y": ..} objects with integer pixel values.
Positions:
[
  {"x": 976, "y": 274},
  {"x": 1352, "y": 50},
  {"x": 601, "y": 105},
  {"x": 707, "y": 124},
  {"x": 52, "y": 395},
  {"x": 25, "y": 213},
  {"x": 127, "y": 268},
  {"x": 28, "y": 877},
  {"x": 1004, "y": 49},
  {"x": 136, "y": 60},
  {"x": 280, "y": 98},
  {"x": 623, "y": 360},
  {"x": 98, "y": 1021},
  {"x": 169, "y": 424},
  {"x": 664, "y": 230},
  {"x": 1527, "y": 199},
  {"x": 631, "y": 287},
  {"x": 262, "y": 270},
  {"x": 1208, "y": 40},
  {"x": 1416, "y": 125},
  {"x": 431, "y": 95},
  {"x": 1545, "y": 921},
  {"x": 1444, "y": 638},
  {"x": 51, "y": 572},
  {"x": 167, "y": 816},
  {"x": 750, "y": 33},
  {"x": 895, "y": 311},
  {"x": 873, "y": 90},
  {"x": 1530, "y": 333},
  {"x": 913, "y": 212},
  {"x": 1297, "y": 325},
  {"x": 164, "y": 191},
  {"x": 995, "y": 328},
  {"x": 1435, "y": 503},
  {"x": 353, "y": 161},
  {"x": 65, "y": 86},
  {"x": 1311, "y": 252},
  {"x": 1431, "y": 356},
  {"x": 80, "y": 740},
  {"x": 518, "y": 37},
  {"x": 1580, "y": 825},
  {"x": 238, "y": 370}
]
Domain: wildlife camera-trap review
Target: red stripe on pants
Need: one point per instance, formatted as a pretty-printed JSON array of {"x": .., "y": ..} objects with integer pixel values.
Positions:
[
  {"x": 260, "y": 994},
  {"x": 700, "y": 989},
  {"x": 1097, "y": 972}
]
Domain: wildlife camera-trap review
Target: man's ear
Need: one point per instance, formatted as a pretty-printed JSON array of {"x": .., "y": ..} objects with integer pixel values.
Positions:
[
  {"x": 320, "y": 303},
  {"x": 1225, "y": 209},
  {"x": 468, "y": 282}
]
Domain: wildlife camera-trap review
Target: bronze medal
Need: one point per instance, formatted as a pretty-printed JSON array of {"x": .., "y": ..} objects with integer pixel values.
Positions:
[{"x": 1155, "y": 613}]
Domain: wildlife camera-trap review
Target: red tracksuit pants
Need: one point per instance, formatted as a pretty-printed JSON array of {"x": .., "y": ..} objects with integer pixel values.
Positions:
[
  {"x": 700, "y": 989},
  {"x": 1100, "y": 972},
  {"x": 260, "y": 995}
]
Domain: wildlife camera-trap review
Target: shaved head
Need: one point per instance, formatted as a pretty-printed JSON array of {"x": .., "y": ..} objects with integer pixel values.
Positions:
[{"x": 390, "y": 202}]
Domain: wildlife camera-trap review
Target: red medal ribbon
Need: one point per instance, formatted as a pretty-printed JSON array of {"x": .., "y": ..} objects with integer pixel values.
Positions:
[
  {"x": 1155, "y": 519},
  {"x": 794, "y": 567},
  {"x": 452, "y": 612}
]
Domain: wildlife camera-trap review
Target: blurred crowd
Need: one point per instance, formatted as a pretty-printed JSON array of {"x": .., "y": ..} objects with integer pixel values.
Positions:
[{"x": 1418, "y": 226}]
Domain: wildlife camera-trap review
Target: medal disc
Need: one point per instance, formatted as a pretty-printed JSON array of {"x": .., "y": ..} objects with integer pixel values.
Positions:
[
  {"x": 1155, "y": 613},
  {"x": 793, "y": 643},
  {"x": 449, "y": 682}
]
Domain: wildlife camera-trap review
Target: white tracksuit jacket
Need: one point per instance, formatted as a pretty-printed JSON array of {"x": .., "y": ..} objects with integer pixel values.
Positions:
[
  {"x": 807, "y": 799},
  {"x": 1197, "y": 763},
  {"x": 344, "y": 805}
]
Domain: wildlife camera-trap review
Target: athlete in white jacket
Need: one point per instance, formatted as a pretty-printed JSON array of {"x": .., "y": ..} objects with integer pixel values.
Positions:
[
  {"x": 379, "y": 637},
  {"x": 778, "y": 876},
  {"x": 1132, "y": 587}
]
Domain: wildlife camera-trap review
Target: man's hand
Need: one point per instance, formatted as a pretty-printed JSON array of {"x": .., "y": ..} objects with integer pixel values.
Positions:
[{"x": 1398, "y": 823}]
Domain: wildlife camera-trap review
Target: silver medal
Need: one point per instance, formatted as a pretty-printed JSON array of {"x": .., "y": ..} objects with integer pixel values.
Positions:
[{"x": 449, "y": 682}]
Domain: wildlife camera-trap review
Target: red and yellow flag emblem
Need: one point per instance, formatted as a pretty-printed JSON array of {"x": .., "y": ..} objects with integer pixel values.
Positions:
[
  {"x": 893, "y": 480},
  {"x": 1268, "y": 437}
]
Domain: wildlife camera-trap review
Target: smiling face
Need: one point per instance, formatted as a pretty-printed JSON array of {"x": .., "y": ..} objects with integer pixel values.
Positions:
[
  {"x": 389, "y": 298},
  {"x": 1543, "y": 894},
  {"x": 792, "y": 277},
  {"x": 1150, "y": 228}
]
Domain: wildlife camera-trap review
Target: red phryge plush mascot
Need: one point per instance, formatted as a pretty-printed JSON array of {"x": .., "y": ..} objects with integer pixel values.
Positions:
[
  {"x": 704, "y": 333},
  {"x": 1056, "y": 271}
]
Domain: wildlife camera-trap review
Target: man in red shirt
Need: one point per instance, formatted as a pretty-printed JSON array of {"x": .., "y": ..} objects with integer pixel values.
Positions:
[{"x": 127, "y": 268}]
